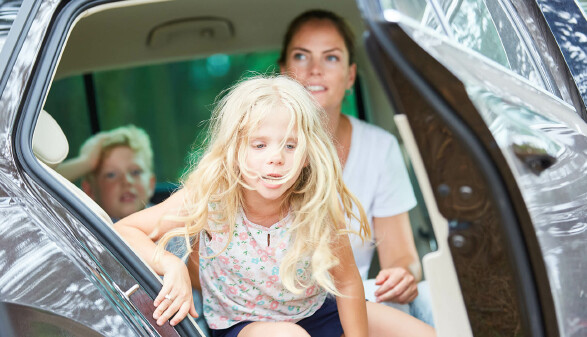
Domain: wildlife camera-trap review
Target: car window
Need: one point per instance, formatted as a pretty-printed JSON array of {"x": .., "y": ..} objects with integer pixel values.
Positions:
[
  {"x": 484, "y": 27},
  {"x": 171, "y": 101},
  {"x": 8, "y": 11}
]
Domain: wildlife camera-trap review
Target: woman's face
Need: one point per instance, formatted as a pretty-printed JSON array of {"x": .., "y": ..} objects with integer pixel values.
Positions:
[{"x": 318, "y": 58}]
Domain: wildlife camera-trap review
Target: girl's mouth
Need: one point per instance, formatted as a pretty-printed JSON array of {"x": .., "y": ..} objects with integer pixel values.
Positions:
[{"x": 273, "y": 179}]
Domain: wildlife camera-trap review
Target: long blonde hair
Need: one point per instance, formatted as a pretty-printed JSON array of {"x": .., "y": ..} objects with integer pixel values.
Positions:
[{"x": 318, "y": 199}]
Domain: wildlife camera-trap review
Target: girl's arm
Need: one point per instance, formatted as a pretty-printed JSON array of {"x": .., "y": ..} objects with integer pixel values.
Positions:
[
  {"x": 400, "y": 265},
  {"x": 351, "y": 306},
  {"x": 141, "y": 230}
]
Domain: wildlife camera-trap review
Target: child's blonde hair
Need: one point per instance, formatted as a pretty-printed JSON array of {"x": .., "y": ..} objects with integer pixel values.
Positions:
[
  {"x": 319, "y": 199},
  {"x": 129, "y": 135}
]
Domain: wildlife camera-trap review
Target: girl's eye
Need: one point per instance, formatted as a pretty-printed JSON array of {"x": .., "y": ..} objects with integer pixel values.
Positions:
[
  {"x": 258, "y": 145},
  {"x": 110, "y": 175},
  {"x": 290, "y": 146}
]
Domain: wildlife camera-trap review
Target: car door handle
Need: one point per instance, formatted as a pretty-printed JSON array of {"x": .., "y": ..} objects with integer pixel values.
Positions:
[{"x": 536, "y": 158}]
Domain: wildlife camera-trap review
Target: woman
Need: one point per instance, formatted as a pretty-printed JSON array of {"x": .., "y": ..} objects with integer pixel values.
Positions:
[{"x": 318, "y": 51}]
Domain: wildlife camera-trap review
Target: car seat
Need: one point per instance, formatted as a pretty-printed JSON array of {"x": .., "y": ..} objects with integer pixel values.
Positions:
[{"x": 50, "y": 148}]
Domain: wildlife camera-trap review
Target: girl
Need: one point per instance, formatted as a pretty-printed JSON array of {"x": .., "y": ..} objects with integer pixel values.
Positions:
[{"x": 267, "y": 205}]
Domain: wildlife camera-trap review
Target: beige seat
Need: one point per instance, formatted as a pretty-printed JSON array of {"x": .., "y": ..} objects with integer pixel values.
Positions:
[{"x": 50, "y": 147}]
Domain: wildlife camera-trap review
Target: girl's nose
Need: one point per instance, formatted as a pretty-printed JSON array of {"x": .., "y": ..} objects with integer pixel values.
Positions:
[{"x": 276, "y": 158}]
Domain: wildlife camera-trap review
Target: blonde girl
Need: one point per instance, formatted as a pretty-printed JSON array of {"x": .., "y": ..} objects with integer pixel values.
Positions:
[{"x": 267, "y": 206}]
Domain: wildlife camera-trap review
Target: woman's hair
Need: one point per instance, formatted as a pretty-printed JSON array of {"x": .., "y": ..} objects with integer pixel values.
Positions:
[
  {"x": 129, "y": 135},
  {"x": 318, "y": 199},
  {"x": 319, "y": 14}
]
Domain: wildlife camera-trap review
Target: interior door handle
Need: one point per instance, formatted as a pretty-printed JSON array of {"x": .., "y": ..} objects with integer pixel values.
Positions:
[{"x": 141, "y": 302}]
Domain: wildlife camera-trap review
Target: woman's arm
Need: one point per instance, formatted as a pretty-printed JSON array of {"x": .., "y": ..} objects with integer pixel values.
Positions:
[
  {"x": 141, "y": 230},
  {"x": 351, "y": 306},
  {"x": 400, "y": 265}
]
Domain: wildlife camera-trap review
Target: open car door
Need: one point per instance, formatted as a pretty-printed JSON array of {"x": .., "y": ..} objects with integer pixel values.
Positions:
[{"x": 499, "y": 145}]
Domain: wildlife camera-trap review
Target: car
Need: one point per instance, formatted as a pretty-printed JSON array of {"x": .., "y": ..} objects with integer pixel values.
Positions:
[{"x": 487, "y": 96}]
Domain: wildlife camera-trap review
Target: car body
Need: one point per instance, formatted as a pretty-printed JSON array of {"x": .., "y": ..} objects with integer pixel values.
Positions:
[{"x": 488, "y": 97}]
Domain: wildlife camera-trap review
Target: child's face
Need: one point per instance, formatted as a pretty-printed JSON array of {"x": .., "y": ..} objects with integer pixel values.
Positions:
[
  {"x": 267, "y": 161},
  {"x": 122, "y": 184}
]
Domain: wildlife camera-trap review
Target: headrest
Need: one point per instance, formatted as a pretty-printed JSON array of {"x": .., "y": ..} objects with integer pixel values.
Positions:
[{"x": 49, "y": 143}]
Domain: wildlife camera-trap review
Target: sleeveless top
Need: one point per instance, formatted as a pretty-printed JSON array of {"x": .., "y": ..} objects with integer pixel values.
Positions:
[{"x": 242, "y": 283}]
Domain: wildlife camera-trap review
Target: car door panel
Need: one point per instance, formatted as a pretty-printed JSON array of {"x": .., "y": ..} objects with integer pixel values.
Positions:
[{"x": 492, "y": 240}]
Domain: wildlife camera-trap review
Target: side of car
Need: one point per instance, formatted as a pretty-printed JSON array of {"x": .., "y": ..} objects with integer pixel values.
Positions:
[{"x": 496, "y": 145}]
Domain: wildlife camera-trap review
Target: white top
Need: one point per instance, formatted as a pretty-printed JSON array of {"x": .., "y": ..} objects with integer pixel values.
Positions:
[
  {"x": 242, "y": 282},
  {"x": 376, "y": 174}
]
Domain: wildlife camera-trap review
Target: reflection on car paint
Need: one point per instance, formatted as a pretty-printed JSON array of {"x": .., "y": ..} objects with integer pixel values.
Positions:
[
  {"x": 37, "y": 269},
  {"x": 569, "y": 27},
  {"x": 555, "y": 213}
]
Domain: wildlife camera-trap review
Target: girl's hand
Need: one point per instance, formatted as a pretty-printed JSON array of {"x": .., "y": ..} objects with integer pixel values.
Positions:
[
  {"x": 176, "y": 295},
  {"x": 397, "y": 285}
]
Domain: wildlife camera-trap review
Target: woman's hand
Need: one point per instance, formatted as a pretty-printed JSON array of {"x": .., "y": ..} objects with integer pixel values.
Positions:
[
  {"x": 175, "y": 298},
  {"x": 396, "y": 285}
]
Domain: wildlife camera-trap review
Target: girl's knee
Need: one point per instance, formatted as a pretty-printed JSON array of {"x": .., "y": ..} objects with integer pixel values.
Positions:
[{"x": 273, "y": 329}]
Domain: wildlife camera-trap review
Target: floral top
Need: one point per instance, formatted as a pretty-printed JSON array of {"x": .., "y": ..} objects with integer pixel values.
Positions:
[{"x": 242, "y": 283}]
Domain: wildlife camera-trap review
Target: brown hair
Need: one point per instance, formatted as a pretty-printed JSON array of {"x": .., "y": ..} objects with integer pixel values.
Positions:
[{"x": 319, "y": 14}]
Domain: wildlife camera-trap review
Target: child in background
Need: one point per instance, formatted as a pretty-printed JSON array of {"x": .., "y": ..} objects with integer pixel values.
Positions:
[
  {"x": 116, "y": 168},
  {"x": 266, "y": 205}
]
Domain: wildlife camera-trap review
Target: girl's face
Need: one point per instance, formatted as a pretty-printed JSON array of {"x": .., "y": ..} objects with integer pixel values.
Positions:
[
  {"x": 318, "y": 58},
  {"x": 268, "y": 161},
  {"x": 122, "y": 184}
]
